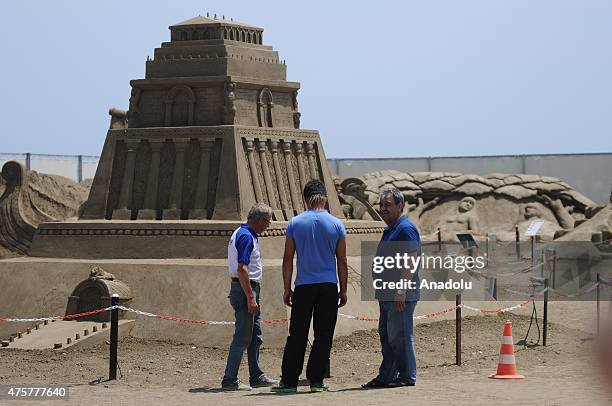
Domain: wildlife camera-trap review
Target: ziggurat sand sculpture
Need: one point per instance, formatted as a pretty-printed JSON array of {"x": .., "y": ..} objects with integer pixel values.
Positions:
[{"x": 211, "y": 129}]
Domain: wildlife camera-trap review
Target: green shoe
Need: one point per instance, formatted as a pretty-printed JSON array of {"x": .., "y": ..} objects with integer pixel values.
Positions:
[
  {"x": 318, "y": 387},
  {"x": 281, "y": 388}
]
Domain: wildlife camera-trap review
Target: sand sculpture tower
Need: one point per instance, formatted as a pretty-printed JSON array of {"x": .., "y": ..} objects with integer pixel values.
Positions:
[{"x": 211, "y": 129}]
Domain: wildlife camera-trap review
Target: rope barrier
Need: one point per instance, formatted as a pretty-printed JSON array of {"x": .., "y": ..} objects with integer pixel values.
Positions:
[
  {"x": 504, "y": 244},
  {"x": 490, "y": 311},
  {"x": 268, "y": 321},
  {"x": 606, "y": 282},
  {"x": 53, "y": 318},
  {"x": 578, "y": 294},
  {"x": 530, "y": 295}
]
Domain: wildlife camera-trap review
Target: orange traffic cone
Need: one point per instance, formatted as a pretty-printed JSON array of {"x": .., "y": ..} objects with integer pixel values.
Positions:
[{"x": 506, "y": 368}]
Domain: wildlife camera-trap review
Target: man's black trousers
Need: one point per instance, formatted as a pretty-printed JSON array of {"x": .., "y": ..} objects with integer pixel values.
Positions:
[{"x": 318, "y": 302}]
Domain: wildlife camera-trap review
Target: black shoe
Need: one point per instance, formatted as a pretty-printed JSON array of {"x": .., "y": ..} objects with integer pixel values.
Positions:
[
  {"x": 399, "y": 382},
  {"x": 375, "y": 384}
]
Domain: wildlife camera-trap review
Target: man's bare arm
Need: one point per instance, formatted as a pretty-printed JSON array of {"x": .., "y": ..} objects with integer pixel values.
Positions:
[
  {"x": 342, "y": 270},
  {"x": 245, "y": 283},
  {"x": 288, "y": 270}
]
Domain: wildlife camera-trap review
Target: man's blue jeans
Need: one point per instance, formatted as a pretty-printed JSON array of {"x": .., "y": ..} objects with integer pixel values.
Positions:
[
  {"x": 397, "y": 340},
  {"x": 247, "y": 336}
]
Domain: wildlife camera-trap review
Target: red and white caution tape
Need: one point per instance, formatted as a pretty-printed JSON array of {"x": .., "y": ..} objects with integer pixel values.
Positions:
[
  {"x": 268, "y": 321},
  {"x": 420, "y": 317},
  {"x": 493, "y": 311},
  {"x": 53, "y": 318}
]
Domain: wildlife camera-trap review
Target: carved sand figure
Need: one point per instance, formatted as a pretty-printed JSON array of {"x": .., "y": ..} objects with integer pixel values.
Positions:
[
  {"x": 464, "y": 221},
  {"x": 500, "y": 198},
  {"x": 119, "y": 118},
  {"x": 296, "y": 114},
  {"x": 134, "y": 107},
  {"x": 415, "y": 211},
  {"x": 230, "y": 106},
  {"x": 532, "y": 212}
]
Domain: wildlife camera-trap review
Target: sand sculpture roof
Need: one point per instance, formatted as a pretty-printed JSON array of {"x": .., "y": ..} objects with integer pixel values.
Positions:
[{"x": 199, "y": 20}]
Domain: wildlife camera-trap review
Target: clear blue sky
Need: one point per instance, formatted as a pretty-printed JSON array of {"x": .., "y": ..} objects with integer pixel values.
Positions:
[{"x": 379, "y": 79}]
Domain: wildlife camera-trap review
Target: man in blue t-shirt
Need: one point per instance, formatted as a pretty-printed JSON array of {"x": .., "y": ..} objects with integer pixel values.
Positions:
[
  {"x": 319, "y": 240},
  {"x": 395, "y": 326}
]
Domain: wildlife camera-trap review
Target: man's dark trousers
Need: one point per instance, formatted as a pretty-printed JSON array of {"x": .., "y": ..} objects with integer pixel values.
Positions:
[{"x": 318, "y": 301}]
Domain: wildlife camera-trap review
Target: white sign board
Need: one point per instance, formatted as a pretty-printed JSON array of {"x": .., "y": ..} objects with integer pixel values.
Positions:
[{"x": 534, "y": 227}]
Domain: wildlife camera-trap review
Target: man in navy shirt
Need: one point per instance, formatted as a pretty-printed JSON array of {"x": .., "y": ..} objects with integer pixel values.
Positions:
[
  {"x": 319, "y": 239},
  {"x": 244, "y": 263},
  {"x": 398, "y": 367}
]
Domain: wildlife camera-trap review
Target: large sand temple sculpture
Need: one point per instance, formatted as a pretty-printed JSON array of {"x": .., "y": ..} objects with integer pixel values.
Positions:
[{"x": 211, "y": 129}]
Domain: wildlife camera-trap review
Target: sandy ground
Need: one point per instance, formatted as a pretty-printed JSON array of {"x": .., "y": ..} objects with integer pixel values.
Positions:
[{"x": 563, "y": 373}]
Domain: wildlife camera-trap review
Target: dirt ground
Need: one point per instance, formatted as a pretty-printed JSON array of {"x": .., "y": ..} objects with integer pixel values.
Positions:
[{"x": 564, "y": 372}]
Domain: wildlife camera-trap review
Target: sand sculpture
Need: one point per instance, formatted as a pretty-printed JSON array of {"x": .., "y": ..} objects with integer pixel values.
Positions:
[
  {"x": 213, "y": 128},
  {"x": 494, "y": 204},
  {"x": 95, "y": 292},
  {"x": 29, "y": 198}
]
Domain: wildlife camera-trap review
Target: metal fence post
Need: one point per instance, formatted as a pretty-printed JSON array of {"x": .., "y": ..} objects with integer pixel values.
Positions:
[
  {"x": 114, "y": 338},
  {"x": 545, "y": 330},
  {"x": 554, "y": 270},
  {"x": 458, "y": 303},
  {"x": 28, "y": 161},
  {"x": 80, "y": 168},
  {"x": 487, "y": 253},
  {"x": 598, "y": 298}
]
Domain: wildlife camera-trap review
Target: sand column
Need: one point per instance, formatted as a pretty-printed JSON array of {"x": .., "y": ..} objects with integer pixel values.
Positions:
[
  {"x": 201, "y": 204},
  {"x": 261, "y": 147},
  {"x": 280, "y": 183},
  {"x": 254, "y": 173},
  {"x": 149, "y": 212},
  {"x": 297, "y": 205},
  {"x": 173, "y": 212},
  {"x": 127, "y": 185}
]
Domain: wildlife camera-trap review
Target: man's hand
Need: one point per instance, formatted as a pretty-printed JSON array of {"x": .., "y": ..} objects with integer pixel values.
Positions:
[
  {"x": 342, "y": 298},
  {"x": 400, "y": 302},
  {"x": 253, "y": 306},
  {"x": 288, "y": 297}
]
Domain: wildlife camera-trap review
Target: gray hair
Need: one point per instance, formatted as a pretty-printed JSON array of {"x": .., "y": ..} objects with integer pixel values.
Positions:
[
  {"x": 260, "y": 211},
  {"x": 398, "y": 197}
]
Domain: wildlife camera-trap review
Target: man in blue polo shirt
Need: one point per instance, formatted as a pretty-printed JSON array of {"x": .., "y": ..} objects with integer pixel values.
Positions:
[
  {"x": 395, "y": 327},
  {"x": 244, "y": 262},
  {"x": 320, "y": 288}
]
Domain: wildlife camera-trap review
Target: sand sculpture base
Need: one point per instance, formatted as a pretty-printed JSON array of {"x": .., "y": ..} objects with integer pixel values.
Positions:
[
  {"x": 189, "y": 288},
  {"x": 168, "y": 239}
]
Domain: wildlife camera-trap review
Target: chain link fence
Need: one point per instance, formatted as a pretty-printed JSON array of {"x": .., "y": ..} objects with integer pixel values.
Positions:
[
  {"x": 590, "y": 174},
  {"x": 75, "y": 167}
]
